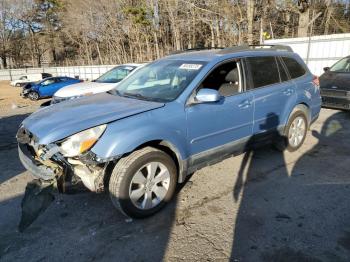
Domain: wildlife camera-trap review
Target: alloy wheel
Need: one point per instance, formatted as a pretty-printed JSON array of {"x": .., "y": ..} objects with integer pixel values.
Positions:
[
  {"x": 297, "y": 131},
  {"x": 149, "y": 185}
]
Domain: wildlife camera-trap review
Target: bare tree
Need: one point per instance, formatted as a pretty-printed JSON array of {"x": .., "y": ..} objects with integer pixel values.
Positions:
[
  {"x": 304, "y": 17},
  {"x": 119, "y": 31}
]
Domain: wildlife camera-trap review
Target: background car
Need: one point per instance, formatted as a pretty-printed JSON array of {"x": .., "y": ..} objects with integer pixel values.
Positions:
[
  {"x": 47, "y": 87},
  {"x": 25, "y": 79},
  {"x": 335, "y": 85},
  {"x": 104, "y": 83}
]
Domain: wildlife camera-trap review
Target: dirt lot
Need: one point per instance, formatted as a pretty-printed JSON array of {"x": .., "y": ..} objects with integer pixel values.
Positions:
[
  {"x": 11, "y": 101},
  {"x": 261, "y": 206}
]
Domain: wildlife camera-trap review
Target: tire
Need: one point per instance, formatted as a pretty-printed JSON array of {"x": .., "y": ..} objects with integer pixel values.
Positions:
[
  {"x": 129, "y": 177},
  {"x": 18, "y": 85},
  {"x": 293, "y": 140},
  {"x": 33, "y": 96}
]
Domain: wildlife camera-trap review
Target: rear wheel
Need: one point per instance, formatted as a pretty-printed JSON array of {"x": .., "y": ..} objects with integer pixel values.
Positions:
[
  {"x": 143, "y": 182},
  {"x": 33, "y": 95},
  {"x": 295, "y": 132}
]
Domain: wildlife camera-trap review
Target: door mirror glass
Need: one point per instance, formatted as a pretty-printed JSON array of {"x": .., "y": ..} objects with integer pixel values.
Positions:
[
  {"x": 326, "y": 68},
  {"x": 206, "y": 95}
]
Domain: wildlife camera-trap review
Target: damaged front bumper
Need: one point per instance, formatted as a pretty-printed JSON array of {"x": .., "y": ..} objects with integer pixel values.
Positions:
[
  {"x": 66, "y": 172},
  {"x": 33, "y": 166}
]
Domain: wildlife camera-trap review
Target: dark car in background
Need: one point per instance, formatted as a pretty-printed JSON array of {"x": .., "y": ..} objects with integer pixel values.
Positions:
[
  {"x": 47, "y": 87},
  {"x": 335, "y": 85}
]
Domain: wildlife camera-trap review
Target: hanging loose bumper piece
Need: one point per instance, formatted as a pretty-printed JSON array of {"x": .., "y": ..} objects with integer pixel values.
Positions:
[{"x": 37, "y": 198}]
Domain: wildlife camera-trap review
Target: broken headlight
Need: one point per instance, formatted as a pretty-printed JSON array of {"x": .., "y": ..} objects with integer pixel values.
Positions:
[{"x": 82, "y": 141}]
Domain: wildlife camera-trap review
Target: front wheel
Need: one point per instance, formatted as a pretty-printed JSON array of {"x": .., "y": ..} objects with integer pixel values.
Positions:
[
  {"x": 143, "y": 182},
  {"x": 33, "y": 95}
]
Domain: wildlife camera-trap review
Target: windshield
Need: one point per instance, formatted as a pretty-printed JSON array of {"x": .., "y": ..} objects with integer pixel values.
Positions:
[
  {"x": 342, "y": 65},
  {"x": 47, "y": 82},
  {"x": 115, "y": 75},
  {"x": 163, "y": 80}
]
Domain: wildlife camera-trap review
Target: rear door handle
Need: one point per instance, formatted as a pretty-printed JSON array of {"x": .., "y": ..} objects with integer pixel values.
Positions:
[{"x": 245, "y": 104}]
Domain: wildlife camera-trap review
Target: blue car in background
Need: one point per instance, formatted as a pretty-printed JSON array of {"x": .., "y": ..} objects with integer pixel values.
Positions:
[{"x": 47, "y": 87}]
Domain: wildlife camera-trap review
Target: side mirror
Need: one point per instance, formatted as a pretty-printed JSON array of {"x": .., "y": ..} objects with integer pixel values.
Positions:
[
  {"x": 207, "y": 95},
  {"x": 326, "y": 68}
]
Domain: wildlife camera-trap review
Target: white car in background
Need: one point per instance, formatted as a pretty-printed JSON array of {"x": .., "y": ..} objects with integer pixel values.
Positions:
[
  {"x": 25, "y": 79},
  {"x": 104, "y": 83}
]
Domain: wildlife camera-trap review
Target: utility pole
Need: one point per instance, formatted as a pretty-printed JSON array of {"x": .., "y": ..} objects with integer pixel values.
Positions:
[{"x": 310, "y": 34}]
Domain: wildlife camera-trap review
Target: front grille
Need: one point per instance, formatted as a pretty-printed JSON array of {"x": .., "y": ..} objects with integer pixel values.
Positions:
[
  {"x": 24, "y": 136},
  {"x": 336, "y": 102},
  {"x": 335, "y": 93}
]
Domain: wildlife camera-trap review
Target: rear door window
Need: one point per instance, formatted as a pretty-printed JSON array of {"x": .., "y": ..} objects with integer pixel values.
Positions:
[
  {"x": 295, "y": 69},
  {"x": 263, "y": 71}
]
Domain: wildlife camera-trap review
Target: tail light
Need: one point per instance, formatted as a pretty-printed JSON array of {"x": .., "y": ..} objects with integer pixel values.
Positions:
[
  {"x": 81, "y": 80},
  {"x": 316, "y": 81}
]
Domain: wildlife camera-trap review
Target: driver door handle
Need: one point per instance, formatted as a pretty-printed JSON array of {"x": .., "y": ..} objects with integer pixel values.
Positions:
[{"x": 245, "y": 104}]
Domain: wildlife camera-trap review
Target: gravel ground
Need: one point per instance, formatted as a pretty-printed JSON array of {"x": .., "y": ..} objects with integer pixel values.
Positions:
[
  {"x": 260, "y": 206},
  {"x": 11, "y": 103}
]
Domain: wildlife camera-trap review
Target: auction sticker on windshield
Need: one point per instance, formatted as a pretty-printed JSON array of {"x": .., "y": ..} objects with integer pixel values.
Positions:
[{"x": 190, "y": 66}]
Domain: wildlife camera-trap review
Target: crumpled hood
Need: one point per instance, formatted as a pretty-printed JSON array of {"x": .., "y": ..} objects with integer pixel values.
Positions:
[
  {"x": 84, "y": 88},
  {"x": 61, "y": 120}
]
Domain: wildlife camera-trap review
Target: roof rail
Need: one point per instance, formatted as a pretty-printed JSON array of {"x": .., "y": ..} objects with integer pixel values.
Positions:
[
  {"x": 274, "y": 47},
  {"x": 226, "y": 50},
  {"x": 257, "y": 48},
  {"x": 194, "y": 49}
]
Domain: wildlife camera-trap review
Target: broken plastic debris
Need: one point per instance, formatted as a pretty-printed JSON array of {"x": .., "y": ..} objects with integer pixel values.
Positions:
[
  {"x": 128, "y": 220},
  {"x": 37, "y": 198}
]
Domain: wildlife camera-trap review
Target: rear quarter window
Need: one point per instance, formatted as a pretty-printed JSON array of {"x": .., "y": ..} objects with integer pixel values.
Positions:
[{"x": 295, "y": 69}]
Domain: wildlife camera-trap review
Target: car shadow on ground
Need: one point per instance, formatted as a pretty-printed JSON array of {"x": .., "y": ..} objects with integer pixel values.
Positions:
[
  {"x": 82, "y": 227},
  {"x": 10, "y": 164},
  {"x": 86, "y": 226},
  {"x": 296, "y": 213}
]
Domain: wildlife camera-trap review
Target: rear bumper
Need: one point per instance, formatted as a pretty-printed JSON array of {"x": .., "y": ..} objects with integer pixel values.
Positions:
[{"x": 33, "y": 166}]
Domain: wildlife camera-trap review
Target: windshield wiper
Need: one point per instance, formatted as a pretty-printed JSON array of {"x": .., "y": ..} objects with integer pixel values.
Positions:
[
  {"x": 114, "y": 92},
  {"x": 136, "y": 96}
]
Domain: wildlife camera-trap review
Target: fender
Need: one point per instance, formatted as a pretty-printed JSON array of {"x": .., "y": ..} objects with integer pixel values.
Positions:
[{"x": 124, "y": 136}]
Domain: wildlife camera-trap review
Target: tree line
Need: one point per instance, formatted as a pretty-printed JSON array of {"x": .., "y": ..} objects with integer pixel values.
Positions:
[{"x": 86, "y": 32}]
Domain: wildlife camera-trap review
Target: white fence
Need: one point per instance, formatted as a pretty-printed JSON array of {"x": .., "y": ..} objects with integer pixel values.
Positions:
[
  {"x": 318, "y": 51},
  {"x": 83, "y": 72}
]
